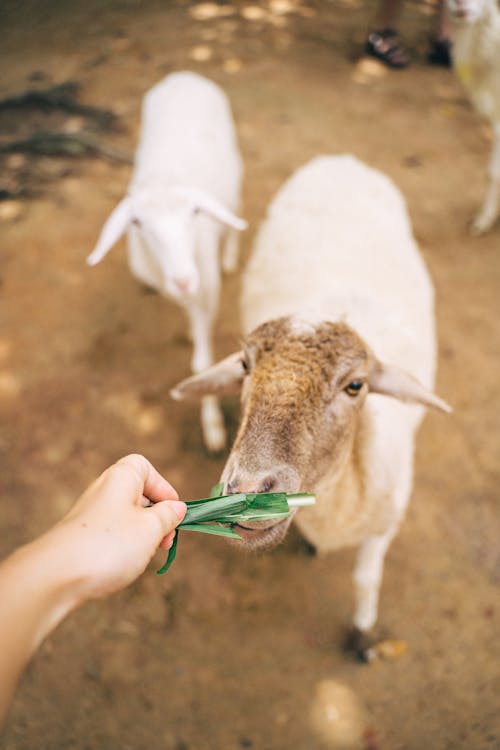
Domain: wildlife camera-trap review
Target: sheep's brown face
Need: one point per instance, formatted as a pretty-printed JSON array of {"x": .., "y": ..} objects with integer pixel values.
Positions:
[{"x": 303, "y": 387}]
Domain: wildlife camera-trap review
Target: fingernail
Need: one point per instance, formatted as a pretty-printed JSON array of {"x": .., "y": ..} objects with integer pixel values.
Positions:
[{"x": 179, "y": 508}]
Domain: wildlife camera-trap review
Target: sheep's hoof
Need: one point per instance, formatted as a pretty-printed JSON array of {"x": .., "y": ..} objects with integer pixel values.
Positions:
[
  {"x": 357, "y": 644},
  {"x": 368, "y": 647}
]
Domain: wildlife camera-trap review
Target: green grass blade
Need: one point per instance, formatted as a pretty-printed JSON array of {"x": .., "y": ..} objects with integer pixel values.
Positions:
[
  {"x": 300, "y": 500},
  {"x": 229, "y": 509},
  {"x": 216, "y": 490},
  {"x": 171, "y": 556},
  {"x": 251, "y": 516},
  {"x": 207, "y": 528},
  {"x": 268, "y": 503},
  {"x": 212, "y": 509},
  {"x": 243, "y": 508}
]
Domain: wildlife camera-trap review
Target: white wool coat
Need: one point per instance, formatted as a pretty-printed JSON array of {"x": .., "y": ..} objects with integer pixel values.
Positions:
[{"x": 337, "y": 244}]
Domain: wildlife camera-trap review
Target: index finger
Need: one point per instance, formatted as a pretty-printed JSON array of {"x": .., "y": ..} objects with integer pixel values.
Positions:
[{"x": 149, "y": 482}]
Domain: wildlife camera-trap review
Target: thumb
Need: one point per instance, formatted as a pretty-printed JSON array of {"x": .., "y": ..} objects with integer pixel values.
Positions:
[{"x": 170, "y": 513}]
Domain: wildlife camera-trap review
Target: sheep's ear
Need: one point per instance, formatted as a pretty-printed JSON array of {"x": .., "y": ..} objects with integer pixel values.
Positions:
[
  {"x": 393, "y": 381},
  {"x": 112, "y": 230},
  {"x": 203, "y": 201},
  {"x": 224, "y": 377},
  {"x": 218, "y": 211}
]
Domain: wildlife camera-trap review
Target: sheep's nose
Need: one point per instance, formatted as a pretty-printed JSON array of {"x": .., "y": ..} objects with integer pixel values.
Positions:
[
  {"x": 263, "y": 484},
  {"x": 185, "y": 285}
]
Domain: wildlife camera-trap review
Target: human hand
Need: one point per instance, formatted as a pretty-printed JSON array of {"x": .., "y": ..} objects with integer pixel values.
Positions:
[
  {"x": 103, "y": 544},
  {"x": 111, "y": 533}
]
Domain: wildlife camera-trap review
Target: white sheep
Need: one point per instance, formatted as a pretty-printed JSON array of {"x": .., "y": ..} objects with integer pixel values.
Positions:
[
  {"x": 476, "y": 59},
  {"x": 180, "y": 206},
  {"x": 336, "y": 301}
]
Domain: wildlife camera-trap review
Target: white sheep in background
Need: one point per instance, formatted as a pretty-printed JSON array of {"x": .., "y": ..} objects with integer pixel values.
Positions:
[
  {"x": 476, "y": 59},
  {"x": 180, "y": 206},
  {"x": 336, "y": 299}
]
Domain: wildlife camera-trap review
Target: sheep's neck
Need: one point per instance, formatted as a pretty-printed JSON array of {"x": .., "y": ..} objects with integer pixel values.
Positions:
[{"x": 343, "y": 513}]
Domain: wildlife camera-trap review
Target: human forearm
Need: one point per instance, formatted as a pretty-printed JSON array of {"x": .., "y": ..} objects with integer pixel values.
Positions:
[{"x": 36, "y": 593}]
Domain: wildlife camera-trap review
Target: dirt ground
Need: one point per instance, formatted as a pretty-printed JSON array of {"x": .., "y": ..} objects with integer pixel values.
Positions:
[{"x": 233, "y": 651}]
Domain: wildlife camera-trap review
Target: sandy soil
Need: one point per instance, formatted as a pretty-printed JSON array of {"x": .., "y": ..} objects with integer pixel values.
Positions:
[{"x": 231, "y": 651}]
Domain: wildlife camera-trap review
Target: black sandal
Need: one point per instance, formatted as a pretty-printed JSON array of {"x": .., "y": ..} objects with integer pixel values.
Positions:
[
  {"x": 440, "y": 53},
  {"x": 384, "y": 45}
]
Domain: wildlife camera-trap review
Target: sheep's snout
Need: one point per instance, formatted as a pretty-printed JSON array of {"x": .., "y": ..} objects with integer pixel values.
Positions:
[
  {"x": 278, "y": 478},
  {"x": 263, "y": 535},
  {"x": 266, "y": 483},
  {"x": 186, "y": 286}
]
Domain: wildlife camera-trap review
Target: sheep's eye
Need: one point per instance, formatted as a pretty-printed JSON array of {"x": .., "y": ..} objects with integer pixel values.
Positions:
[
  {"x": 244, "y": 364},
  {"x": 136, "y": 221},
  {"x": 354, "y": 388}
]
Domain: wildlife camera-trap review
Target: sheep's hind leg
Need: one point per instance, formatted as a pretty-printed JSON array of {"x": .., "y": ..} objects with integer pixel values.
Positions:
[
  {"x": 367, "y": 580},
  {"x": 491, "y": 205}
]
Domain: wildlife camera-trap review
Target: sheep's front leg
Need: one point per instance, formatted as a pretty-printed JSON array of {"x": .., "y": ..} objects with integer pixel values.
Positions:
[
  {"x": 212, "y": 420},
  {"x": 212, "y": 424},
  {"x": 230, "y": 251},
  {"x": 491, "y": 205},
  {"x": 367, "y": 581}
]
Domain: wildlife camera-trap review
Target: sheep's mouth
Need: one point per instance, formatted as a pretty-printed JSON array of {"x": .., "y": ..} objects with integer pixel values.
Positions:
[
  {"x": 263, "y": 537},
  {"x": 257, "y": 529}
]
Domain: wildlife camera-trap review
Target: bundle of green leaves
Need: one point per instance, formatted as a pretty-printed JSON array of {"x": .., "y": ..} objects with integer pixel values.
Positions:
[{"x": 217, "y": 514}]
